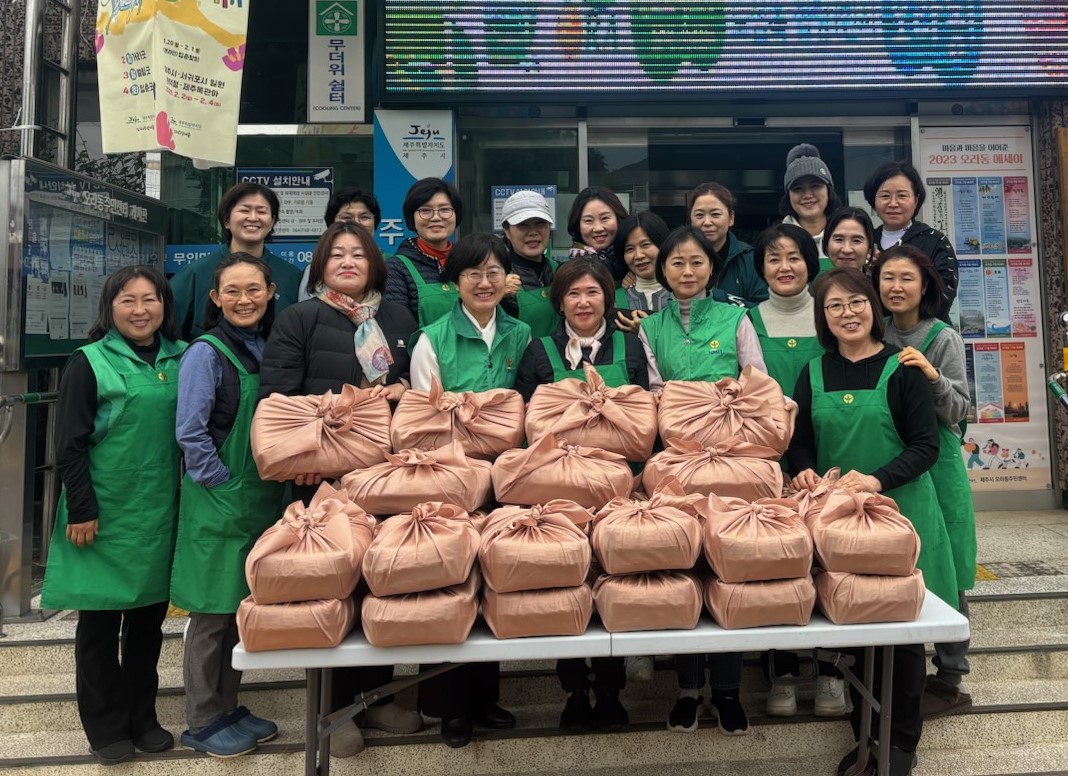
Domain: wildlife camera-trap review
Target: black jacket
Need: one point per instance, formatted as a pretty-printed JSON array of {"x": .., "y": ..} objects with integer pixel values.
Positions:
[
  {"x": 535, "y": 369},
  {"x": 228, "y": 394},
  {"x": 311, "y": 349},
  {"x": 400, "y": 287},
  {"x": 940, "y": 250}
]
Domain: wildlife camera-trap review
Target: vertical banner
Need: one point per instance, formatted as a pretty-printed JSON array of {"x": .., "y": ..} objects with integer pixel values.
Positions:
[
  {"x": 987, "y": 176},
  {"x": 408, "y": 145},
  {"x": 170, "y": 76},
  {"x": 336, "y": 61}
]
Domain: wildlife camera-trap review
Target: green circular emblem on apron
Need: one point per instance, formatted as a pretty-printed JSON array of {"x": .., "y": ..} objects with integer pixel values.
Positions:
[
  {"x": 848, "y": 398},
  {"x": 713, "y": 345},
  {"x": 162, "y": 377},
  {"x": 544, "y": 294},
  {"x": 791, "y": 343},
  {"x": 444, "y": 286}
]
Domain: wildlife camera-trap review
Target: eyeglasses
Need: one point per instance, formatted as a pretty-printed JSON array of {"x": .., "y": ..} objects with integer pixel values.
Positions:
[
  {"x": 886, "y": 197},
  {"x": 234, "y": 294},
  {"x": 362, "y": 218},
  {"x": 427, "y": 213},
  {"x": 837, "y": 309},
  {"x": 495, "y": 275}
]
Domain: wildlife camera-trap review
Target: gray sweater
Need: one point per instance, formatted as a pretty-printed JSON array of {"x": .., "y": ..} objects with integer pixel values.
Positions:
[{"x": 946, "y": 354}]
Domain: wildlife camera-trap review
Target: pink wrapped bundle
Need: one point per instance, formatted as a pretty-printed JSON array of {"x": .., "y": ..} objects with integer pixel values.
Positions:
[
  {"x": 431, "y": 547},
  {"x": 751, "y": 407},
  {"x": 864, "y": 533},
  {"x": 435, "y": 617},
  {"x": 535, "y": 548},
  {"x": 589, "y": 413},
  {"x": 661, "y": 600},
  {"x": 660, "y": 533},
  {"x": 410, "y": 477},
  {"x": 327, "y": 435},
  {"x": 854, "y": 599},
  {"x": 810, "y": 501},
  {"x": 585, "y": 475},
  {"x": 304, "y": 625},
  {"x": 560, "y": 611},
  {"x": 479, "y": 519},
  {"x": 756, "y": 604},
  {"x": 485, "y": 423},
  {"x": 312, "y": 553},
  {"x": 756, "y": 541},
  {"x": 731, "y": 468}
]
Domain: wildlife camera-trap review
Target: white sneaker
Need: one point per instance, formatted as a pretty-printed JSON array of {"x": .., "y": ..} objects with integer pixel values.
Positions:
[
  {"x": 391, "y": 717},
  {"x": 782, "y": 700},
  {"x": 640, "y": 668},
  {"x": 347, "y": 741},
  {"x": 830, "y": 697}
]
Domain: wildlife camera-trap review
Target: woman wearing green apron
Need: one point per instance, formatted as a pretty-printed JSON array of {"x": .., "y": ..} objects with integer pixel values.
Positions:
[
  {"x": 225, "y": 506},
  {"x": 848, "y": 240},
  {"x": 527, "y": 220},
  {"x": 863, "y": 411},
  {"x": 432, "y": 209},
  {"x": 910, "y": 289},
  {"x": 110, "y": 555},
  {"x": 638, "y": 242}
]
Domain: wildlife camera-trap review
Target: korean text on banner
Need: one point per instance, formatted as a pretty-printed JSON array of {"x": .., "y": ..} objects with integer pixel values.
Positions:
[
  {"x": 170, "y": 76},
  {"x": 335, "y": 61}
]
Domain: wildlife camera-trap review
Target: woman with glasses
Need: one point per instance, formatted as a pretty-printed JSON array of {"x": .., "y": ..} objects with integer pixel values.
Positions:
[
  {"x": 432, "y": 209},
  {"x": 354, "y": 207},
  {"x": 897, "y": 193},
  {"x": 863, "y": 410}
]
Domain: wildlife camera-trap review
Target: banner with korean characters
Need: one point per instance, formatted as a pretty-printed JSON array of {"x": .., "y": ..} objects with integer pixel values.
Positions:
[
  {"x": 409, "y": 145},
  {"x": 170, "y": 76},
  {"x": 336, "y": 84},
  {"x": 980, "y": 192}
]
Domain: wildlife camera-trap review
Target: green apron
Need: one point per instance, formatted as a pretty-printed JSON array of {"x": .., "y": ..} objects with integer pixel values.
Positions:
[
  {"x": 826, "y": 265},
  {"x": 622, "y": 303},
  {"x": 614, "y": 374},
  {"x": 134, "y": 465},
  {"x": 708, "y": 351},
  {"x": 464, "y": 361},
  {"x": 785, "y": 357},
  {"x": 218, "y": 526},
  {"x": 954, "y": 493},
  {"x": 435, "y": 299},
  {"x": 536, "y": 309},
  {"x": 855, "y": 430}
]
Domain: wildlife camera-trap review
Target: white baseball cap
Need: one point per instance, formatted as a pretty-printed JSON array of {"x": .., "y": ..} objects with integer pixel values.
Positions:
[{"x": 524, "y": 205}]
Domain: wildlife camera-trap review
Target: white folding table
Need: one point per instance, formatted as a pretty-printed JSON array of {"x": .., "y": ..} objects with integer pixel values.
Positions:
[{"x": 937, "y": 623}]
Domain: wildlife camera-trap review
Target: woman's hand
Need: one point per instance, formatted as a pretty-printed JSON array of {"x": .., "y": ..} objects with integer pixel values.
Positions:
[
  {"x": 911, "y": 357},
  {"x": 392, "y": 392},
  {"x": 856, "y": 482},
  {"x": 82, "y": 534},
  {"x": 629, "y": 280},
  {"x": 308, "y": 479},
  {"x": 630, "y": 324},
  {"x": 806, "y": 480},
  {"x": 512, "y": 284}
]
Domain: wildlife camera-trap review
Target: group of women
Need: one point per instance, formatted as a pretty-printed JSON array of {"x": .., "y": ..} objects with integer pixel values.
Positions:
[{"x": 639, "y": 302}]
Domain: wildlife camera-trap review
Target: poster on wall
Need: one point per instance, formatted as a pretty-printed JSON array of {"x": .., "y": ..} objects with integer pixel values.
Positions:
[
  {"x": 335, "y": 61},
  {"x": 409, "y": 145},
  {"x": 170, "y": 76},
  {"x": 500, "y": 194},
  {"x": 303, "y": 194},
  {"x": 980, "y": 191}
]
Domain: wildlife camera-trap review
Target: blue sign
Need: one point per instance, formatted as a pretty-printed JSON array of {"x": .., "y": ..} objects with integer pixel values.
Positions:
[
  {"x": 303, "y": 194},
  {"x": 298, "y": 254}
]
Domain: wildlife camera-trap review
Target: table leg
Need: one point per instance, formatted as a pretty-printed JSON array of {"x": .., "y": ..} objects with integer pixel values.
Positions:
[
  {"x": 864, "y": 737},
  {"x": 325, "y": 697},
  {"x": 885, "y": 711},
  {"x": 311, "y": 720}
]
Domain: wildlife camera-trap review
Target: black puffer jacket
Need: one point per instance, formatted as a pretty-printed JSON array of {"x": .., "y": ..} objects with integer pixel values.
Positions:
[
  {"x": 400, "y": 287},
  {"x": 940, "y": 250},
  {"x": 311, "y": 349}
]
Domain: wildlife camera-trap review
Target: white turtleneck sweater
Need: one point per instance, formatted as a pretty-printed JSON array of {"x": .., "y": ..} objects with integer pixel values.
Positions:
[{"x": 789, "y": 316}]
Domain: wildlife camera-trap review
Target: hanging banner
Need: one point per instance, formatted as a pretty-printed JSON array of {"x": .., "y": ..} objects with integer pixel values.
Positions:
[
  {"x": 980, "y": 192},
  {"x": 335, "y": 61},
  {"x": 170, "y": 76},
  {"x": 409, "y": 145}
]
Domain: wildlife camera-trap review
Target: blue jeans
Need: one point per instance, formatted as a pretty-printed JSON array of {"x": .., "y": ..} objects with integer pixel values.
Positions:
[{"x": 725, "y": 669}]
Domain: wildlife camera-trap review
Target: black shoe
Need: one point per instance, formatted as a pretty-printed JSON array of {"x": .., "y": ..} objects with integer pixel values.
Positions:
[
  {"x": 683, "y": 717},
  {"x": 850, "y": 760},
  {"x": 116, "y": 753},
  {"x": 155, "y": 740},
  {"x": 456, "y": 733},
  {"x": 496, "y": 718},
  {"x": 732, "y": 717},
  {"x": 901, "y": 762},
  {"x": 577, "y": 716},
  {"x": 609, "y": 714}
]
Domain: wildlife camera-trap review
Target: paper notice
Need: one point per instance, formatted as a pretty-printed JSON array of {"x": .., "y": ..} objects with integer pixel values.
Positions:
[
  {"x": 81, "y": 308},
  {"x": 59, "y": 306},
  {"x": 36, "y": 305}
]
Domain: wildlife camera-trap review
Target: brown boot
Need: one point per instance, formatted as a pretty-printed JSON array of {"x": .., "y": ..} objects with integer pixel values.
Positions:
[{"x": 941, "y": 699}]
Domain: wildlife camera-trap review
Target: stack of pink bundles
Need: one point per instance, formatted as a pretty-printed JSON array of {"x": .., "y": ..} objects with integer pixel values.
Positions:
[
  {"x": 761, "y": 554},
  {"x": 534, "y": 561},
  {"x": 647, "y": 545},
  {"x": 588, "y": 413},
  {"x": 302, "y": 572},
  {"x": 868, "y": 551},
  {"x": 421, "y": 571},
  {"x": 485, "y": 423},
  {"x": 810, "y": 501}
]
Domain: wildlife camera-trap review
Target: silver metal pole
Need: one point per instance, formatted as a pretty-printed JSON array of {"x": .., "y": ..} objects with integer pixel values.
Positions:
[
  {"x": 50, "y": 478},
  {"x": 31, "y": 58},
  {"x": 68, "y": 85}
]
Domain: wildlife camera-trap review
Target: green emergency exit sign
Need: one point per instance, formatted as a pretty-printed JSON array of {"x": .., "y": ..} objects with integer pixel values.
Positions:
[{"x": 335, "y": 17}]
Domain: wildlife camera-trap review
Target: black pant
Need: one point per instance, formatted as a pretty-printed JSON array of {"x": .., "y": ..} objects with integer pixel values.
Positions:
[
  {"x": 788, "y": 663},
  {"x": 116, "y": 653},
  {"x": 910, "y": 676},
  {"x": 609, "y": 675},
  {"x": 467, "y": 691},
  {"x": 347, "y": 683}
]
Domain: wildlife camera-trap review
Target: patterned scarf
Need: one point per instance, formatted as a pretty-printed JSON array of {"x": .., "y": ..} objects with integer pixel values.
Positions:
[
  {"x": 575, "y": 344},
  {"x": 372, "y": 349}
]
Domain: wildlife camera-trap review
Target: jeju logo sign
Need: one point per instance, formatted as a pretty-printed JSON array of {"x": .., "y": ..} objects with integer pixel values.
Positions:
[{"x": 536, "y": 47}]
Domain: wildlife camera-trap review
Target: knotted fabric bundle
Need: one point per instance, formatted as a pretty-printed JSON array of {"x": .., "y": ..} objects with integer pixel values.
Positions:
[
  {"x": 756, "y": 541},
  {"x": 732, "y": 467},
  {"x": 810, "y": 501},
  {"x": 756, "y": 604},
  {"x": 561, "y": 611},
  {"x": 864, "y": 533},
  {"x": 304, "y": 625},
  {"x": 853, "y": 599},
  {"x": 442, "y": 616},
  {"x": 327, "y": 435},
  {"x": 660, "y": 600}
]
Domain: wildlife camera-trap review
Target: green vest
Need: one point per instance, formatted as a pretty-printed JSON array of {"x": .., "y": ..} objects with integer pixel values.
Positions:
[
  {"x": 536, "y": 309},
  {"x": 785, "y": 357},
  {"x": 614, "y": 373},
  {"x": 464, "y": 361},
  {"x": 709, "y": 351},
  {"x": 435, "y": 299},
  {"x": 218, "y": 526},
  {"x": 134, "y": 465}
]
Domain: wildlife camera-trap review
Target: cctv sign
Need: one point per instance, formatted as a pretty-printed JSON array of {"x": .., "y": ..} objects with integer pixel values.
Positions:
[{"x": 303, "y": 193}]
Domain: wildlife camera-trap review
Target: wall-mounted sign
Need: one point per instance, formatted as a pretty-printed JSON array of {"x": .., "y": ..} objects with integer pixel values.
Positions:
[
  {"x": 336, "y": 61},
  {"x": 303, "y": 193}
]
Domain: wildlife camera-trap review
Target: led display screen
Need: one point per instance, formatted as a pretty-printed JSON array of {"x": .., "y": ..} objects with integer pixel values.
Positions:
[{"x": 535, "y": 48}]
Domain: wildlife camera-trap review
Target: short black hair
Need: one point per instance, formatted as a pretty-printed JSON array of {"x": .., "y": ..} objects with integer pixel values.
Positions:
[
  {"x": 717, "y": 190},
  {"x": 113, "y": 285},
  {"x": 802, "y": 239},
  {"x": 471, "y": 251},
  {"x": 237, "y": 193},
  {"x": 834, "y": 202},
  {"x": 576, "y": 269},
  {"x": 855, "y": 282},
  {"x": 885, "y": 172},
  {"x": 213, "y": 313},
  {"x": 376, "y": 275},
  {"x": 677, "y": 237},
  {"x": 850, "y": 214},
  {"x": 646, "y": 220},
  {"x": 422, "y": 191},
  {"x": 585, "y": 197},
  {"x": 931, "y": 300},
  {"x": 347, "y": 197}
]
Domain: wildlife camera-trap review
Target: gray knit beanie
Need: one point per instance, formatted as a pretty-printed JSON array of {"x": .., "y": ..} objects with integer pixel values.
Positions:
[{"x": 804, "y": 161}]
